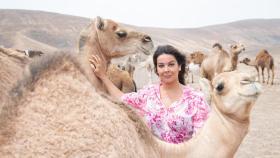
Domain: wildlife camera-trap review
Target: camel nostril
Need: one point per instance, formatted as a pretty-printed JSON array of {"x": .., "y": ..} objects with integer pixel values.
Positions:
[{"x": 146, "y": 38}]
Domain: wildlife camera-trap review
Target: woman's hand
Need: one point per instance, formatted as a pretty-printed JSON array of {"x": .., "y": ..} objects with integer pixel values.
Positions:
[
  {"x": 99, "y": 69},
  {"x": 98, "y": 66}
]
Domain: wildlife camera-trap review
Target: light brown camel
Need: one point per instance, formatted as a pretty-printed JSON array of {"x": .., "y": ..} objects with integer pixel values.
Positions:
[
  {"x": 12, "y": 65},
  {"x": 109, "y": 40},
  {"x": 125, "y": 42},
  {"x": 232, "y": 95},
  {"x": 57, "y": 113},
  {"x": 194, "y": 61},
  {"x": 220, "y": 61},
  {"x": 263, "y": 60},
  {"x": 128, "y": 65},
  {"x": 121, "y": 78}
]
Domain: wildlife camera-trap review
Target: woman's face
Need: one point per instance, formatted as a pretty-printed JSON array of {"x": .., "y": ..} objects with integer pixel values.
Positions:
[{"x": 167, "y": 68}]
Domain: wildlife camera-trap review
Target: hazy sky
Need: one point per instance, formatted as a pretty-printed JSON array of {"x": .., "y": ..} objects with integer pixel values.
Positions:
[{"x": 157, "y": 13}]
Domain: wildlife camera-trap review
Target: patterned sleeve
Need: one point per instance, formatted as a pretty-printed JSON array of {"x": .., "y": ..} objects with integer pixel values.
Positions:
[
  {"x": 136, "y": 99},
  {"x": 202, "y": 111}
]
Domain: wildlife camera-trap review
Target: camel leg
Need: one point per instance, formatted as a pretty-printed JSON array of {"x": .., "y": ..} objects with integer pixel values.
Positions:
[
  {"x": 268, "y": 76},
  {"x": 263, "y": 74},
  {"x": 272, "y": 78},
  {"x": 259, "y": 79}
]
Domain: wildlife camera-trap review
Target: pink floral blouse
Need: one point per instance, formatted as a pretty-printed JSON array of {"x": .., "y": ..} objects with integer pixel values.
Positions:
[{"x": 176, "y": 123}]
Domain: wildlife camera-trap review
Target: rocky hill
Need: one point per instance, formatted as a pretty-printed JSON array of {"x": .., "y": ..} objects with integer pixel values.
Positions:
[{"x": 47, "y": 31}]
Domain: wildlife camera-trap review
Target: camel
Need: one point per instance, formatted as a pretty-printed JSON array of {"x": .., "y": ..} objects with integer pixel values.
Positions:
[
  {"x": 221, "y": 61},
  {"x": 194, "y": 61},
  {"x": 233, "y": 95},
  {"x": 108, "y": 40},
  {"x": 12, "y": 65},
  {"x": 128, "y": 65},
  {"x": 55, "y": 112},
  {"x": 121, "y": 78},
  {"x": 263, "y": 60},
  {"x": 126, "y": 42}
]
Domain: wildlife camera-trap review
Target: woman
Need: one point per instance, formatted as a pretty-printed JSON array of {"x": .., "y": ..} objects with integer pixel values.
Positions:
[{"x": 173, "y": 111}]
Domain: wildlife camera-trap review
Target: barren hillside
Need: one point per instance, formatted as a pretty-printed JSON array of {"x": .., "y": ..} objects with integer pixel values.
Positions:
[{"x": 50, "y": 31}]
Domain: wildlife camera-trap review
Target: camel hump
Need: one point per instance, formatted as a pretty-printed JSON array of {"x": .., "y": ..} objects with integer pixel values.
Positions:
[
  {"x": 42, "y": 65},
  {"x": 218, "y": 45},
  {"x": 265, "y": 51}
]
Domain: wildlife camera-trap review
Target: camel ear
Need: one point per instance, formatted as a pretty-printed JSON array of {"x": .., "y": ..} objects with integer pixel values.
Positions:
[
  {"x": 206, "y": 89},
  {"x": 99, "y": 23}
]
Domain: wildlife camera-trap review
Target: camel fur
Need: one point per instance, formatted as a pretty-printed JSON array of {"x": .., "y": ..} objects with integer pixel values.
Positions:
[
  {"x": 221, "y": 61},
  {"x": 55, "y": 111},
  {"x": 12, "y": 65},
  {"x": 263, "y": 60},
  {"x": 121, "y": 78}
]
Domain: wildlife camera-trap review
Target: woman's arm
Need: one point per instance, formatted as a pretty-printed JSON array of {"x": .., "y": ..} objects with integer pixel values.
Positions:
[{"x": 100, "y": 72}]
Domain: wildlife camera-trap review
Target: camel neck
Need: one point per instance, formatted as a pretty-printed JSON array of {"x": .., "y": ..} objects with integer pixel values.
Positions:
[
  {"x": 234, "y": 60},
  {"x": 93, "y": 46},
  {"x": 220, "y": 133},
  {"x": 251, "y": 63}
]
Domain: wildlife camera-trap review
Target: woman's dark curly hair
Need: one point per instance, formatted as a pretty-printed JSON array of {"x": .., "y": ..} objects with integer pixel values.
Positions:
[{"x": 180, "y": 58}]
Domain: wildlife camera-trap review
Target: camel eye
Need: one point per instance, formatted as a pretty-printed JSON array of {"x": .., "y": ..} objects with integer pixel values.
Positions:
[
  {"x": 220, "y": 87},
  {"x": 121, "y": 34}
]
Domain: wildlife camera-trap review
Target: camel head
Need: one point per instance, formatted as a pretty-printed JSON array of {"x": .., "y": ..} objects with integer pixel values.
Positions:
[
  {"x": 245, "y": 61},
  {"x": 112, "y": 39},
  {"x": 196, "y": 57},
  {"x": 236, "y": 49},
  {"x": 233, "y": 94}
]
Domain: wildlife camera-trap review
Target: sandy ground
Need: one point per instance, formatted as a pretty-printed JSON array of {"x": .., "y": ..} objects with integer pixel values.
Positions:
[{"x": 263, "y": 139}]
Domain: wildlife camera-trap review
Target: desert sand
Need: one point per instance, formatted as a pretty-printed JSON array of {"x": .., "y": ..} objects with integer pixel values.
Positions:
[{"x": 263, "y": 139}]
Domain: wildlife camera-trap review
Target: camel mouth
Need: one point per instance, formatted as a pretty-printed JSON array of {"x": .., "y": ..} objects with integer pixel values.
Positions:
[{"x": 250, "y": 89}]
